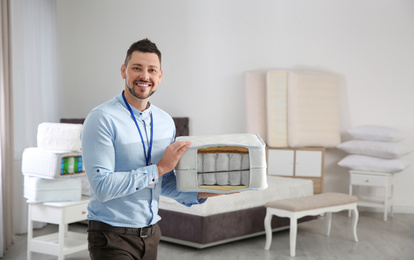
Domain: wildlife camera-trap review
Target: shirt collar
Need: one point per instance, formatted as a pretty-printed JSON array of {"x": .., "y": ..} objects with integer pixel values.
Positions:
[{"x": 141, "y": 115}]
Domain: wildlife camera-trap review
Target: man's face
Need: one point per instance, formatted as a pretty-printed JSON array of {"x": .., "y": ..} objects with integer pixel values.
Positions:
[{"x": 142, "y": 74}]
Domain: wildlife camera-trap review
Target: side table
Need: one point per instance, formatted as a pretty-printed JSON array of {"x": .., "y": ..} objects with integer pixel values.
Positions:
[
  {"x": 62, "y": 213},
  {"x": 374, "y": 179}
]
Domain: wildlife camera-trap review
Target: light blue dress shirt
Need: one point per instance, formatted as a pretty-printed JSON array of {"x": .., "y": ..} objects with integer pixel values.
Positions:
[{"x": 124, "y": 191}]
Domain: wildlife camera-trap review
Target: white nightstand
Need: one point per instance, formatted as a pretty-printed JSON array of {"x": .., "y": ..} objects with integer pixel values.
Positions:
[
  {"x": 62, "y": 213},
  {"x": 374, "y": 179}
]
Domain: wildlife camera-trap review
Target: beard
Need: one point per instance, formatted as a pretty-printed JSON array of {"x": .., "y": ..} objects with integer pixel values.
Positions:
[{"x": 132, "y": 91}]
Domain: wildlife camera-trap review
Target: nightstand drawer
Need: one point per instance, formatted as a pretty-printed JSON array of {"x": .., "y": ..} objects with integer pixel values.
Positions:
[
  {"x": 368, "y": 180},
  {"x": 76, "y": 213}
]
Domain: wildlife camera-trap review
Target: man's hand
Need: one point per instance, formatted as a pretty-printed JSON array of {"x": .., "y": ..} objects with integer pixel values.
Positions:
[{"x": 171, "y": 157}]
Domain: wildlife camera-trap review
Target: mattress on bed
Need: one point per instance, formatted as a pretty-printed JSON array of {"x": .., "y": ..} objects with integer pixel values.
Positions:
[
  {"x": 51, "y": 164},
  {"x": 222, "y": 164},
  {"x": 43, "y": 190},
  {"x": 276, "y": 103},
  {"x": 278, "y": 188},
  {"x": 313, "y": 109}
]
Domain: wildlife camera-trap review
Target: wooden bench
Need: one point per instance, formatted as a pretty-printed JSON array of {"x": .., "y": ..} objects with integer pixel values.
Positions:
[{"x": 296, "y": 208}]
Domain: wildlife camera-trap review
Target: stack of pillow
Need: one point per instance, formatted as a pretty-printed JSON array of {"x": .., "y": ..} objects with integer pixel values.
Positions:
[{"x": 375, "y": 149}]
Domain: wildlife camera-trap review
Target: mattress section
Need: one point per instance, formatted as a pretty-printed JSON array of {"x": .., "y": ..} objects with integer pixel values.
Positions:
[
  {"x": 222, "y": 164},
  {"x": 51, "y": 164},
  {"x": 278, "y": 188},
  {"x": 59, "y": 136},
  {"x": 255, "y": 102},
  {"x": 276, "y": 101},
  {"x": 313, "y": 109},
  {"x": 43, "y": 190}
]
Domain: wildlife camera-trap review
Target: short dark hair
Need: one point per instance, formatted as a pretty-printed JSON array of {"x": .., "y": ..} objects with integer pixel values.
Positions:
[{"x": 144, "y": 45}]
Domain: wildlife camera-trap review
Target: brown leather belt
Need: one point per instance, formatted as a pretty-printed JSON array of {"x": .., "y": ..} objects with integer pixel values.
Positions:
[{"x": 141, "y": 232}]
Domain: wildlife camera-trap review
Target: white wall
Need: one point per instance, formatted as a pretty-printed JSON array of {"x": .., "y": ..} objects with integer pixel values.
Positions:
[{"x": 207, "y": 45}]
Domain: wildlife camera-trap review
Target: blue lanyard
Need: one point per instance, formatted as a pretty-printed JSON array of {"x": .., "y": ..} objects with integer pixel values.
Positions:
[{"x": 147, "y": 157}]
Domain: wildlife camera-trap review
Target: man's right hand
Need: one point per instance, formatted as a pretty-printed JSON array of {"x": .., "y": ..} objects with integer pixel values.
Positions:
[{"x": 171, "y": 156}]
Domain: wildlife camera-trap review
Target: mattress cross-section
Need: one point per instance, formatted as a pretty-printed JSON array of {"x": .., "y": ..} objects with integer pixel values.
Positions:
[{"x": 222, "y": 163}]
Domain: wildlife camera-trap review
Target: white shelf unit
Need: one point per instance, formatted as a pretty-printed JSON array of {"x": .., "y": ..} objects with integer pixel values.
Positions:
[
  {"x": 62, "y": 213},
  {"x": 374, "y": 179},
  {"x": 306, "y": 163}
]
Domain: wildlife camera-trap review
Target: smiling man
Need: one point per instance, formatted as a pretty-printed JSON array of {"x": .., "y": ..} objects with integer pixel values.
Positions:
[{"x": 129, "y": 156}]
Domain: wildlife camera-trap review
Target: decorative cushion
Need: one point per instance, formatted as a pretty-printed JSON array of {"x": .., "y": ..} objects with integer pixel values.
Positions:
[
  {"x": 377, "y": 133},
  {"x": 373, "y": 164},
  {"x": 387, "y": 150}
]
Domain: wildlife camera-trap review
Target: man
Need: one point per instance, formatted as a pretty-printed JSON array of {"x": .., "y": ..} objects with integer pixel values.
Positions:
[{"x": 129, "y": 156}]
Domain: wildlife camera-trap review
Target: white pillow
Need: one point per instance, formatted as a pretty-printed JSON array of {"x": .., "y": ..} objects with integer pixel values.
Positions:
[
  {"x": 373, "y": 164},
  {"x": 387, "y": 150},
  {"x": 377, "y": 133}
]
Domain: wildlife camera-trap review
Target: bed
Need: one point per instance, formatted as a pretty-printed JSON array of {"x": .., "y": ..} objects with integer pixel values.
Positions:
[{"x": 226, "y": 218}]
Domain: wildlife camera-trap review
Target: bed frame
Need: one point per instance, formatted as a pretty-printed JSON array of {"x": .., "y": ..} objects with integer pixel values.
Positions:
[{"x": 202, "y": 232}]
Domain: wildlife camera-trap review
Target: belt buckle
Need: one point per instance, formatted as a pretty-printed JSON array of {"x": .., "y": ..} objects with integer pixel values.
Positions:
[{"x": 140, "y": 233}]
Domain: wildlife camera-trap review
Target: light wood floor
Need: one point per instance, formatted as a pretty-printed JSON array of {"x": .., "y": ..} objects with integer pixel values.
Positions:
[{"x": 393, "y": 239}]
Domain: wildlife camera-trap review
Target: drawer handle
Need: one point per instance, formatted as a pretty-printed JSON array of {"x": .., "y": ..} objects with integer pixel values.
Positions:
[
  {"x": 83, "y": 212},
  {"x": 367, "y": 181}
]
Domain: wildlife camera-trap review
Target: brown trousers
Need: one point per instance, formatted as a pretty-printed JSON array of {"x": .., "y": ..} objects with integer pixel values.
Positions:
[{"x": 104, "y": 245}]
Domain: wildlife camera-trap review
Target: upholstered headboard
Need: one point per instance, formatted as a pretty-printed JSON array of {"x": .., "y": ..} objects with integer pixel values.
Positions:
[{"x": 181, "y": 124}]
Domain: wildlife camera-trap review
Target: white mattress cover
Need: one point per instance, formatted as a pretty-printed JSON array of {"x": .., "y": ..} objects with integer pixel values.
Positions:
[{"x": 279, "y": 188}]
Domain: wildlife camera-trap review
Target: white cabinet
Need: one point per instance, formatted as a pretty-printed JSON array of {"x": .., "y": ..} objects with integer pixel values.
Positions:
[
  {"x": 280, "y": 162},
  {"x": 62, "y": 213},
  {"x": 307, "y": 163}
]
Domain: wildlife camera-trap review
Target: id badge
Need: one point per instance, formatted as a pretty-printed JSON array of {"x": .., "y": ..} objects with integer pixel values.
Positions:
[{"x": 151, "y": 186}]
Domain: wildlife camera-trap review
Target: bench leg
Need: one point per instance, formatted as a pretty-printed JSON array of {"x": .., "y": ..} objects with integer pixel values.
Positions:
[
  {"x": 268, "y": 229},
  {"x": 355, "y": 216},
  {"x": 328, "y": 223},
  {"x": 292, "y": 235}
]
